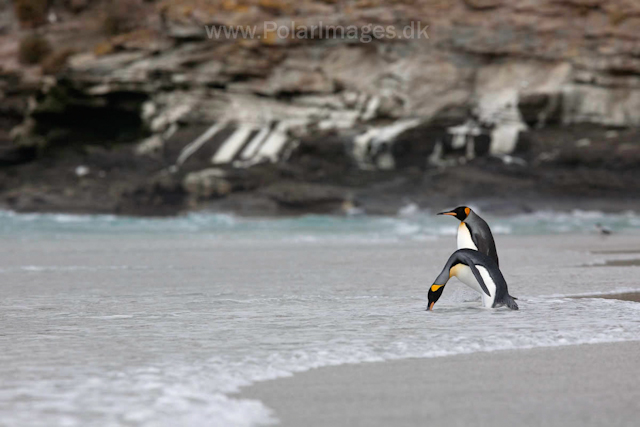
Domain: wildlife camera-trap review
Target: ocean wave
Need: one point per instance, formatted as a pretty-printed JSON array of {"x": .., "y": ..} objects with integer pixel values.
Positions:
[
  {"x": 180, "y": 390},
  {"x": 414, "y": 225}
]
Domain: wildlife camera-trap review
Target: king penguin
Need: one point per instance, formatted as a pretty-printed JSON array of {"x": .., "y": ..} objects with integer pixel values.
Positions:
[
  {"x": 477, "y": 271},
  {"x": 474, "y": 233}
]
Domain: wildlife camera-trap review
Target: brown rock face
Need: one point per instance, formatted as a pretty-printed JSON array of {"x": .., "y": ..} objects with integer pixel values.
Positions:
[
  {"x": 207, "y": 183},
  {"x": 320, "y": 89},
  {"x": 483, "y": 4}
]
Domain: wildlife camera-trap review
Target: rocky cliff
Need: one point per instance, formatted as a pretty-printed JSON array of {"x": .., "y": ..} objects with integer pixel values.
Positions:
[{"x": 154, "y": 108}]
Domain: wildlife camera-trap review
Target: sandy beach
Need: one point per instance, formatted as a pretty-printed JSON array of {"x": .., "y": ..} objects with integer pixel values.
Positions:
[{"x": 585, "y": 385}]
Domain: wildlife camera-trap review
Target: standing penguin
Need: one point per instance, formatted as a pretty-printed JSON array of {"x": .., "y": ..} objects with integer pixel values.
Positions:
[
  {"x": 474, "y": 233},
  {"x": 477, "y": 271}
]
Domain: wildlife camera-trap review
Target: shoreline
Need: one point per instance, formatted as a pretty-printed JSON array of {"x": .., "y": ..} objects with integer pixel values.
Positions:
[
  {"x": 581, "y": 385},
  {"x": 272, "y": 190},
  {"x": 633, "y": 296},
  {"x": 250, "y": 206}
]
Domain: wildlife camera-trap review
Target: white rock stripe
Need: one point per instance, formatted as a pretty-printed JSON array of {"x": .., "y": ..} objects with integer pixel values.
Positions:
[
  {"x": 195, "y": 145},
  {"x": 252, "y": 148},
  {"x": 361, "y": 146},
  {"x": 232, "y": 145},
  {"x": 368, "y": 143},
  {"x": 274, "y": 143},
  {"x": 505, "y": 137}
]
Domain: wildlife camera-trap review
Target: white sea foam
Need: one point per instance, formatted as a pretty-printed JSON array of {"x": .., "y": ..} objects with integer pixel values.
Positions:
[{"x": 308, "y": 332}]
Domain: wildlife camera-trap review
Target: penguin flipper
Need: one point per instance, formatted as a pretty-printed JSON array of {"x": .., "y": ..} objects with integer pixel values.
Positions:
[
  {"x": 479, "y": 278},
  {"x": 486, "y": 248},
  {"x": 484, "y": 243}
]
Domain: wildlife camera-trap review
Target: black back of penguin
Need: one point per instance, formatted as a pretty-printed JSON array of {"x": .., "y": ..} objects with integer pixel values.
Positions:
[
  {"x": 482, "y": 236},
  {"x": 469, "y": 256}
]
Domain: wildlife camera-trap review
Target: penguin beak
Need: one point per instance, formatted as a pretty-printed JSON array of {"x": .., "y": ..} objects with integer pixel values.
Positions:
[
  {"x": 430, "y": 308},
  {"x": 447, "y": 213}
]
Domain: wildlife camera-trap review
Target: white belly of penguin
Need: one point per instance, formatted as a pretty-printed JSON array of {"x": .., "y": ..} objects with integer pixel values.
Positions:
[
  {"x": 465, "y": 275},
  {"x": 464, "y": 238}
]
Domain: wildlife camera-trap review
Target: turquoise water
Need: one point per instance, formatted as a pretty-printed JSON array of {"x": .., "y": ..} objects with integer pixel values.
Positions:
[{"x": 418, "y": 226}]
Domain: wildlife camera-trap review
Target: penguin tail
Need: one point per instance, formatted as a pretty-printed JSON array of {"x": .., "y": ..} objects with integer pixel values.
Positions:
[{"x": 510, "y": 302}]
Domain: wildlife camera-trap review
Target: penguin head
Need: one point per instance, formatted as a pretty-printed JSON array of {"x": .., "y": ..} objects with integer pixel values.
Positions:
[
  {"x": 461, "y": 212},
  {"x": 435, "y": 291}
]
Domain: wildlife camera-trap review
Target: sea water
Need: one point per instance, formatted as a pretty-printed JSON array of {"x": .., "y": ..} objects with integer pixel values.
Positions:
[
  {"x": 109, "y": 321},
  {"x": 411, "y": 223}
]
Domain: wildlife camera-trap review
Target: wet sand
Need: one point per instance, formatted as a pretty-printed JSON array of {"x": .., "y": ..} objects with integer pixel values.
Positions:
[
  {"x": 586, "y": 385},
  {"x": 621, "y": 263},
  {"x": 624, "y": 296}
]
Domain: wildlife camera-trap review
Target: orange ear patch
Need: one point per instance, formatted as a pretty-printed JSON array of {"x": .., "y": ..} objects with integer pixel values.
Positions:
[
  {"x": 434, "y": 288},
  {"x": 467, "y": 211},
  {"x": 454, "y": 270}
]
